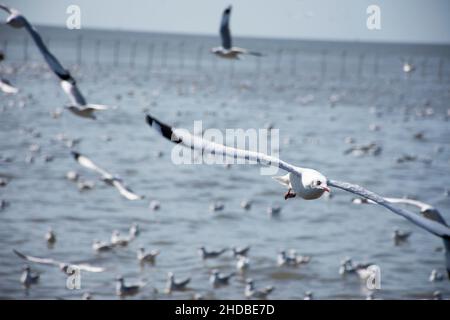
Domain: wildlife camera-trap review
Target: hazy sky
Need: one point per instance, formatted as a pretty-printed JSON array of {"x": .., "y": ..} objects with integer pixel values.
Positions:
[{"x": 401, "y": 20}]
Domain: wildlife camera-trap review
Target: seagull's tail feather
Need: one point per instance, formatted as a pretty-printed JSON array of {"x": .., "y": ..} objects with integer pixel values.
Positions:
[{"x": 283, "y": 180}]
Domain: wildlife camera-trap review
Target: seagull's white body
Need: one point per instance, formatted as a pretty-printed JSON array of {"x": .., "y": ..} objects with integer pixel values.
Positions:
[
  {"x": 118, "y": 240},
  {"x": 242, "y": 264},
  {"x": 173, "y": 285},
  {"x": 303, "y": 183},
  {"x": 100, "y": 246},
  {"x": 123, "y": 290},
  {"x": 28, "y": 277},
  {"x": 252, "y": 292},
  {"x": 149, "y": 257},
  {"x": 217, "y": 279}
]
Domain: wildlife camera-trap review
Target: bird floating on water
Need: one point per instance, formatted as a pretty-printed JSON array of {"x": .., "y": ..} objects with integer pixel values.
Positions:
[
  {"x": 205, "y": 254},
  {"x": 173, "y": 285},
  {"x": 252, "y": 292},
  {"x": 29, "y": 277},
  {"x": 218, "y": 279}
]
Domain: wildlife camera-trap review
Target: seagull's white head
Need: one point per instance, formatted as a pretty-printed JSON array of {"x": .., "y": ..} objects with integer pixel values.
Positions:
[{"x": 314, "y": 184}]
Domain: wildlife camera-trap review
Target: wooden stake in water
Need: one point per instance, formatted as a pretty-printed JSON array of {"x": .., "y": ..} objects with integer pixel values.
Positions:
[
  {"x": 343, "y": 64},
  {"x": 323, "y": 65},
  {"x": 133, "y": 54},
  {"x": 116, "y": 52},
  {"x": 97, "y": 51},
  {"x": 198, "y": 62},
  {"x": 151, "y": 49},
  {"x": 79, "y": 49},
  {"x": 25, "y": 49}
]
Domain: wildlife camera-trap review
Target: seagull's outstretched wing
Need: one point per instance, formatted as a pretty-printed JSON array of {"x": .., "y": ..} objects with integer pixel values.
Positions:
[
  {"x": 97, "y": 107},
  {"x": 7, "y": 87},
  {"x": 434, "y": 227},
  {"x": 7, "y": 9},
  {"x": 124, "y": 191},
  {"x": 46, "y": 261},
  {"x": 88, "y": 163},
  {"x": 87, "y": 267},
  {"x": 245, "y": 51},
  {"x": 225, "y": 33},
  {"x": 51, "y": 60},
  {"x": 208, "y": 147}
]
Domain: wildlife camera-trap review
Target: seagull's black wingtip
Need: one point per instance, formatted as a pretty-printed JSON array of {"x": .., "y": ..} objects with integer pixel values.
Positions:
[
  {"x": 75, "y": 154},
  {"x": 149, "y": 119},
  {"x": 228, "y": 9}
]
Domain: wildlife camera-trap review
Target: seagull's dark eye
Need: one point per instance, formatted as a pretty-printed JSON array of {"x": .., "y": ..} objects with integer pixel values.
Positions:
[{"x": 319, "y": 182}]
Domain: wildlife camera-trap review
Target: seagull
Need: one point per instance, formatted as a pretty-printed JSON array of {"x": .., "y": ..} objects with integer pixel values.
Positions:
[
  {"x": 7, "y": 87},
  {"x": 147, "y": 257},
  {"x": 361, "y": 269},
  {"x": 430, "y": 213},
  {"x": 400, "y": 236},
  {"x": 246, "y": 204},
  {"x": 227, "y": 51},
  {"x": 123, "y": 290},
  {"x": 216, "y": 206},
  {"x": 210, "y": 254},
  {"x": 218, "y": 279},
  {"x": 308, "y": 296},
  {"x": 154, "y": 205},
  {"x": 50, "y": 237},
  {"x": 242, "y": 264},
  {"x": 28, "y": 277},
  {"x": 240, "y": 251},
  {"x": 301, "y": 182},
  {"x": 117, "y": 240},
  {"x": 274, "y": 211},
  {"x": 100, "y": 246},
  {"x": 134, "y": 230},
  {"x": 408, "y": 67},
  {"x": 173, "y": 285},
  {"x": 292, "y": 259},
  {"x": 63, "y": 266},
  {"x": 68, "y": 84},
  {"x": 251, "y": 292},
  {"x": 72, "y": 176},
  {"x": 106, "y": 176},
  {"x": 436, "y": 276}
]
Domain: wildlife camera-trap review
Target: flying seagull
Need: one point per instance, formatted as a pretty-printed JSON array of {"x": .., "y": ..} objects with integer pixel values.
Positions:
[
  {"x": 227, "y": 50},
  {"x": 106, "y": 176},
  {"x": 432, "y": 214},
  {"x": 79, "y": 105},
  {"x": 63, "y": 266},
  {"x": 301, "y": 182}
]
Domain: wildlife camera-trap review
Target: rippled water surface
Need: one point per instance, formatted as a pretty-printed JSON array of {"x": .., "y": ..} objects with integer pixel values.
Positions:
[{"x": 386, "y": 108}]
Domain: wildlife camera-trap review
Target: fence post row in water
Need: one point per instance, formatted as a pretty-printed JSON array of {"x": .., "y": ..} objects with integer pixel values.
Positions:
[{"x": 161, "y": 54}]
